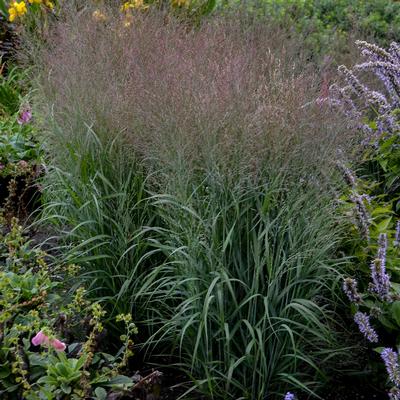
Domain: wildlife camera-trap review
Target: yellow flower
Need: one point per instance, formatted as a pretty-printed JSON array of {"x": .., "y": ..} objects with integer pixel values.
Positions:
[
  {"x": 126, "y": 6},
  {"x": 180, "y": 3},
  {"x": 99, "y": 16},
  {"x": 16, "y": 9},
  {"x": 134, "y": 4},
  {"x": 49, "y": 4}
]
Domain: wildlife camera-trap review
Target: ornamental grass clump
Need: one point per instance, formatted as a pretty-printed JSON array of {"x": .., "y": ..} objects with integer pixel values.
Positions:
[{"x": 193, "y": 177}]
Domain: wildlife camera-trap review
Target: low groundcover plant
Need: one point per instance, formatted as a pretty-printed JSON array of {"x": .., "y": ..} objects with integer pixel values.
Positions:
[{"x": 47, "y": 350}]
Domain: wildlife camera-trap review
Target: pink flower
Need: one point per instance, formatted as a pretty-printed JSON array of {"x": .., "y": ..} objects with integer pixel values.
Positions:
[
  {"x": 39, "y": 339},
  {"x": 25, "y": 116},
  {"x": 58, "y": 345},
  {"x": 42, "y": 339},
  {"x": 23, "y": 164}
]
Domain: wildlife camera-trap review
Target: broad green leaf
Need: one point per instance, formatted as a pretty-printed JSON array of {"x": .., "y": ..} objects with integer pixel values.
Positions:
[
  {"x": 119, "y": 380},
  {"x": 66, "y": 388},
  {"x": 101, "y": 393},
  {"x": 382, "y": 227},
  {"x": 3, "y": 8},
  {"x": 4, "y": 372},
  {"x": 396, "y": 312}
]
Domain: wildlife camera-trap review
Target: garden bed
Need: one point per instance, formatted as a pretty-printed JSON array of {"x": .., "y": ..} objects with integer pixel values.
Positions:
[{"x": 209, "y": 206}]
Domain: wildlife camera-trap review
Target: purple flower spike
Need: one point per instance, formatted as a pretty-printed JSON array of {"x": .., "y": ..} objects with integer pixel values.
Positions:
[
  {"x": 397, "y": 237},
  {"x": 394, "y": 394},
  {"x": 385, "y": 65},
  {"x": 391, "y": 360},
  {"x": 382, "y": 241},
  {"x": 350, "y": 289},
  {"x": 289, "y": 396},
  {"x": 380, "y": 279},
  {"x": 363, "y": 217},
  {"x": 362, "y": 320}
]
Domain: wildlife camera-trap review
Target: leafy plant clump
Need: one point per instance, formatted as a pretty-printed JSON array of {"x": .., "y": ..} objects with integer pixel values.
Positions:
[
  {"x": 374, "y": 288},
  {"x": 21, "y": 153},
  {"x": 37, "y": 311}
]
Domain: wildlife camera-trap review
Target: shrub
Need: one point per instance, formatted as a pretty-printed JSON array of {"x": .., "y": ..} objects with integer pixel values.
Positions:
[
  {"x": 327, "y": 25},
  {"x": 190, "y": 170}
]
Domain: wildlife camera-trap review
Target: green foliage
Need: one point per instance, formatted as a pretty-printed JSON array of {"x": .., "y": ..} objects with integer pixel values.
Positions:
[
  {"x": 11, "y": 91},
  {"x": 373, "y": 197},
  {"x": 327, "y": 24},
  {"x": 33, "y": 299},
  {"x": 249, "y": 264},
  {"x": 3, "y": 8},
  {"x": 19, "y": 150},
  {"x": 62, "y": 373},
  {"x": 21, "y": 153},
  {"x": 229, "y": 274},
  {"x": 99, "y": 204},
  {"x": 387, "y": 158},
  {"x": 382, "y": 219}
]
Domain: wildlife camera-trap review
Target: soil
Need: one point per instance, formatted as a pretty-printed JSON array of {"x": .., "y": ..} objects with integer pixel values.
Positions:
[
  {"x": 354, "y": 394},
  {"x": 355, "y": 391},
  {"x": 24, "y": 198}
]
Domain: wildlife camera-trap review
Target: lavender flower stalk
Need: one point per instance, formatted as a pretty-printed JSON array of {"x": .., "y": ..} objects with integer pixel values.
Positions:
[
  {"x": 357, "y": 100},
  {"x": 364, "y": 325},
  {"x": 391, "y": 360},
  {"x": 363, "y": 218},
  {"x": 353, "y": 81},
  {"x": 380, "y": 279},
  {"x": 348, "y": 175},
  {"x": 382, "y": 242},
  {"x": 289, "y": 396},
  {"x": 394, "y": 394},
  {"x": 374, "y": 50},
  {"x": 350, "y": 289},
  {"x": 397, "y": 236}
]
